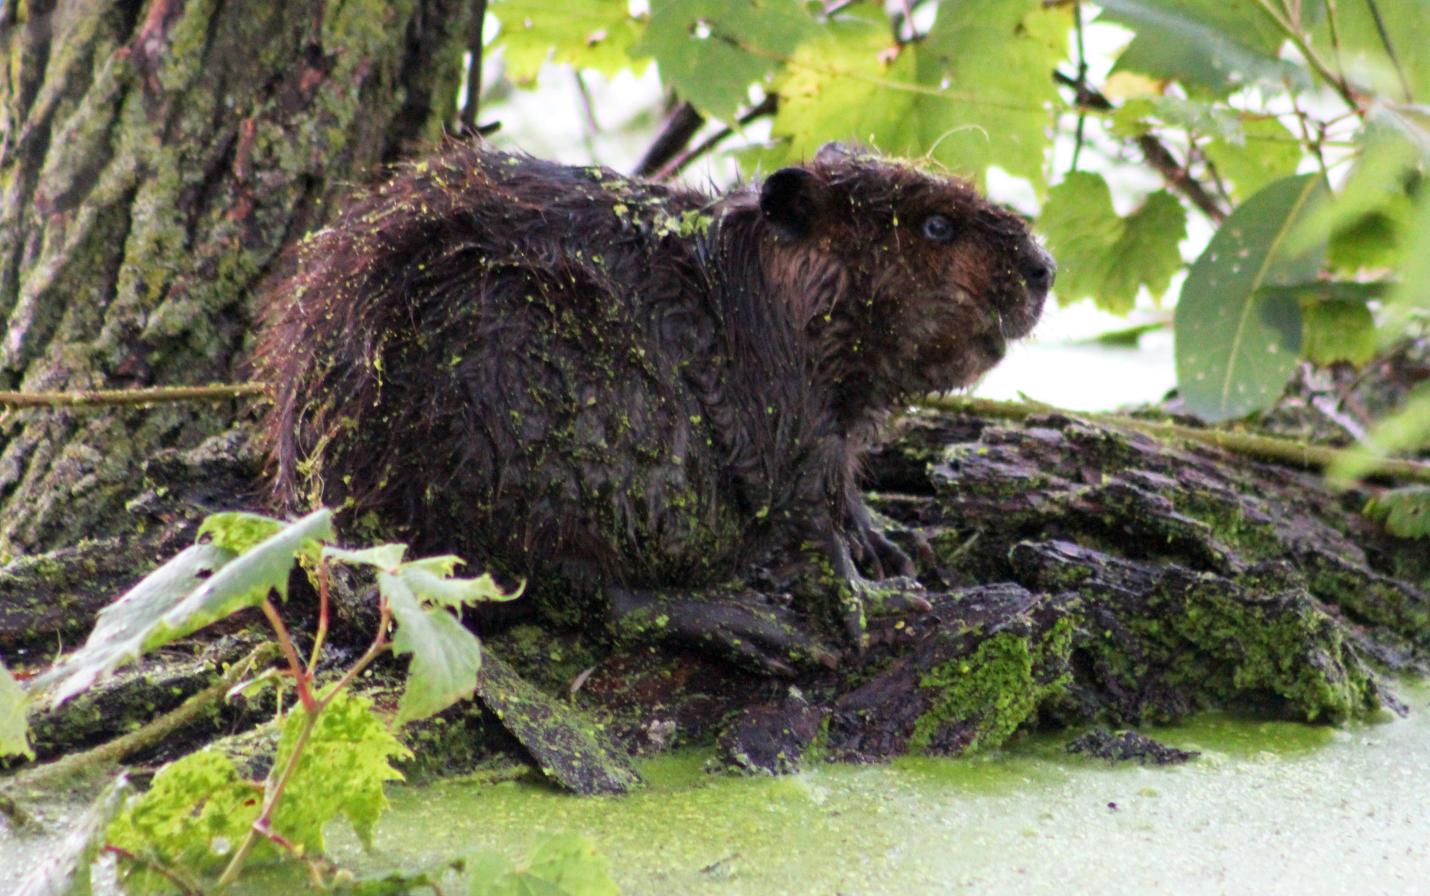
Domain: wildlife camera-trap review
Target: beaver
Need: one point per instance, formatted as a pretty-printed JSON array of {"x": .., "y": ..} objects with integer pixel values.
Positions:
[{"x": 615, "y": 388}]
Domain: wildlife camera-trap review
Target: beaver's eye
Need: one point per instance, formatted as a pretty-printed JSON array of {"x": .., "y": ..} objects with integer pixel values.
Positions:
[{"x": 938, "y": 228}]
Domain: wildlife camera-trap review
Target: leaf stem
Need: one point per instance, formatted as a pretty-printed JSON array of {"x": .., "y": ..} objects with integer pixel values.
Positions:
[
  {"x": 301, "y": 677},
  {"x": 322, "y": 633},
  {"x": 1313, "y": 59},
  {"x": 261, "y": 826},
  {"x": 379, "y": 644}
]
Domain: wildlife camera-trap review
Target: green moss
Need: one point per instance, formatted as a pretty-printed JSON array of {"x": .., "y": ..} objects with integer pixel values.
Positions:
[{"x": 996, "y": 688}]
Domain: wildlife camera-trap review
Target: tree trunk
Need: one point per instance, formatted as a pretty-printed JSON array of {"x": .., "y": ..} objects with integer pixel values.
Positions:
[{"x": 155, "y": 158}]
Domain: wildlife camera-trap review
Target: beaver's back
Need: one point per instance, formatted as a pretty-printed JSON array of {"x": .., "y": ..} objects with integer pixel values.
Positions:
[{"x": 509, "y": 359}]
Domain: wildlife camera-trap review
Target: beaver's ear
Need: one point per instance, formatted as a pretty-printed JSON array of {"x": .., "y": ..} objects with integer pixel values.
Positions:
[{"x": 791, "y": 199}]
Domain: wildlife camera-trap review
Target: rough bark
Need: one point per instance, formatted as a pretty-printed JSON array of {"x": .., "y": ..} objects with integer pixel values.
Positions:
[{"x": 155, "y": 157}]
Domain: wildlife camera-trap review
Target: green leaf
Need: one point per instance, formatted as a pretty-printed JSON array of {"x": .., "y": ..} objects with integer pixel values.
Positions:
[
  {"x": 711, "y": 51},
  {"x": 993, "y": 62},
  {"x": 1263, "y": 152},
  {"x": 1405, "y": 511},
  {"x": 1235, "y": 345},
  {"x": 1334, "y": 330},
  {"x": 194, "y": 815},
  {"x": 203, "y": 584},
  {"x": 1106, "y": 257},
  {"x": 559, "y": 865},
  {"x": 976, "y": 92},
  {"x": 1358, "y": 46},
  {"x": 383, "y": 556},
  {"x": 597, "y": 34},
  {"x": 1410, "y": 300},
  {"x": 238, "y": 531},
  {"x": 1407, "y": 430},
  {"x": 445, "y": 655},
  {"x": 14, "y": 727},
  {"x": 343, "y": 767},
  {"x": 1213, "y": 44},
  {"x": 65, "y": 870},
  {"x": 1139, "y": 115}
]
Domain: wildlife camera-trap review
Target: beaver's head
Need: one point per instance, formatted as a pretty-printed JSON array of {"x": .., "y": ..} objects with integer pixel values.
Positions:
[{"x": 906, "y": 281}]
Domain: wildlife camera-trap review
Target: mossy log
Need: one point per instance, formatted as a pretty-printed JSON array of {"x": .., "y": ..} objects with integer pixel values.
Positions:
[{"x": 1078, "y": 575}]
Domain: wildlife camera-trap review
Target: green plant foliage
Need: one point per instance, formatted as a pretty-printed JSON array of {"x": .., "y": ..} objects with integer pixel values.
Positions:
[
  {"x": 1211, "y": 44},
  {"x": 559, "y": 865},
  {"x": 991, "y": 59},
  {"x": 1263, "y": 151},
  {"x": 1405, "y": 511},
  {"x": 1334, "y": 331},
  {"x": 66, "y": 871},
  {"x": 1106, "y": 257},
  {"x": 597, "y": 34},
  {"x": 1399, "y": 71},
  {"x": 14, "y": 730},
  {"x": 445, "y": 654},
  {"x": 1398, "y": 434},
  {"x": 342, "y": 769},
  {"x": 711, "y": 51},
  {"x": 204, "y": 583},
  {"x": 193, "y": 816},
  {"x": 974, "y": 93},
  {"x": 1235, "y": 344},
  {"x": 237, "y": 531}
]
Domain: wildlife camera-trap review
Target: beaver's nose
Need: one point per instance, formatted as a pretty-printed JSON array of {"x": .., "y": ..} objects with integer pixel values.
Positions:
[{"x": 1038, "y": 268}]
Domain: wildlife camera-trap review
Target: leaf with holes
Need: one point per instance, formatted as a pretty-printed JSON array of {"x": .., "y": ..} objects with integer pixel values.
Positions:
[
  {"x": 1236, "y": 344},
  {"x": 594, "y": 34},
  {"x": 711, "y": 51},
  {"x": 201, "y": 585},
  {"x": 1405, "y": 511}
]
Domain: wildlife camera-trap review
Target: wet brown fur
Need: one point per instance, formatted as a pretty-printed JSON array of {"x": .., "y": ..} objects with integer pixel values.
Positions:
[{"x": 588, "y": 379}]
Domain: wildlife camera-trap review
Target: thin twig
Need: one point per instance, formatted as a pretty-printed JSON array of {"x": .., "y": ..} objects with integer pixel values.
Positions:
[
  {"x": 767, "y": 106},
  {"x": 151, "y": 733},
  {"x": 468, "y": 116},
  {"x": 1154, "y": 151},
  {"x": 1390, "y": 49},
  {"x": 1313, "y": 59},
  {"x": 1264, "y": 447},
  {"x": 680, "y": 126},
  {"x": 152, "y": 395},
  {"x": 1081, "y": 84}
]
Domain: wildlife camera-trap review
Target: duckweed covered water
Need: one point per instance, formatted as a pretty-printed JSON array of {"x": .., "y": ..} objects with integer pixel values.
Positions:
[{"x": 1267, "y": 808}]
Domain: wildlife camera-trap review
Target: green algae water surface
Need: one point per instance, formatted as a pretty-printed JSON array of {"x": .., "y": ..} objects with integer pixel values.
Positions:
[{"x": 1267, "y": 808}]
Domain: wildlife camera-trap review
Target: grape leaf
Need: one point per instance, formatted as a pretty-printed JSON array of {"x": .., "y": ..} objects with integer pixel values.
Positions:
[
  {"x": 237, "y": 531},
  {"x": 711, "y": 51},
  {"x": 1211, "y": 44},
  {"x": 445, "y": 655},
  {"x": 976, "y": 92},
  {"x": 597, "y": 34},
  {"x": 193, "y": 816},
  {"x": 65, "y": 870},
  {"x": 558, "y": 865},
  {"x": 1236, "y": 346},
  {"x": 1411, "y": 298},
  {"x": 383, "y": 556},
  {"x": 993, "y": 61},
  {"x": 1263, "y": 151},
  {"x": 342, "y": 769},
  {"x": 1103, "y": 256},
  {"x": 202, "y": 584},
  {"x": 14, "y": 728},
  {"x": 1405, "y": 511},
  {"x": 840, "y": 86}
]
